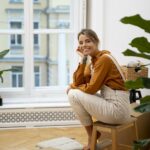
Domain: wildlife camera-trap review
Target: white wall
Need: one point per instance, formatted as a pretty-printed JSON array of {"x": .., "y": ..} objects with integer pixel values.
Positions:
[{"x": 104, "y": 17}]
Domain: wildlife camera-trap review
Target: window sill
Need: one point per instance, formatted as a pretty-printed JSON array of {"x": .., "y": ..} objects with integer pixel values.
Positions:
[{"x": 35, "y": 105}]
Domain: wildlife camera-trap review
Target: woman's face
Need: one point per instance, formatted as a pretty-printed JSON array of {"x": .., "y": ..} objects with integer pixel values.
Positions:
[{"x": 86, "y": 45}]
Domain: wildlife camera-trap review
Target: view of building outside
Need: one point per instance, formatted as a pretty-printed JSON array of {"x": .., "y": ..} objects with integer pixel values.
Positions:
[{"x": 51, "y": 50}]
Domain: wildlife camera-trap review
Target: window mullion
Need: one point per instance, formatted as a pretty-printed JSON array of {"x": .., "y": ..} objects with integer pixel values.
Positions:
[
  {"x": 28, "y": 53},
  {"x": 79, "y": 9}
]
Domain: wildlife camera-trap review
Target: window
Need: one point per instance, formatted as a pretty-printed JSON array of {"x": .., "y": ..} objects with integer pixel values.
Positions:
[
  {"x": 20, "y": 1},
  {"x": 16, "y": 1},
  {"x": 36, "y": 25},
  {"x": 37, "y": 76},
  {"x": 17, "y": 76},
  {"x": 36, "y": 37},
  {"x": 35, "y": 1},
  {"x": 15, "y": 39},
  {"x": 42, "y": 46}
]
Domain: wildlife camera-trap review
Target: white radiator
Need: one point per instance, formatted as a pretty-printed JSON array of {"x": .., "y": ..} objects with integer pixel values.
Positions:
[{"x": 37, "y": 117}]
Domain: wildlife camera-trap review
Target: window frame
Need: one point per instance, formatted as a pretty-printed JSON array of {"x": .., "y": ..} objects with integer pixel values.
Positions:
[
  {"x": 29, "y": 93},
  {"x": 38, "y": 37},
  {"x": 16, "y": 35},
  {"x": 36, "y": 1},
  {"x": 16, "y": 1},
  {"x": 37, "y": 73},
  {"x": 17, "y": 74}
]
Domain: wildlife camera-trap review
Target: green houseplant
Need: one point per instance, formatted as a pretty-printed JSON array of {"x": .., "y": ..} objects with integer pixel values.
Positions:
[
  {"x": 2, "y": 54},
  {"x": 143, "y": 50}
]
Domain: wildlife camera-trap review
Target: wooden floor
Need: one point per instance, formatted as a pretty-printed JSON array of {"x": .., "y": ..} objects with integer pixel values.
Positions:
[{"x": 26, "y": 139}]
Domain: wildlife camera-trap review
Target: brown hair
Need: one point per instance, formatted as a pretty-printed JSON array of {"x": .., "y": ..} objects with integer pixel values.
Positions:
[{"x": 91, "y": 34}]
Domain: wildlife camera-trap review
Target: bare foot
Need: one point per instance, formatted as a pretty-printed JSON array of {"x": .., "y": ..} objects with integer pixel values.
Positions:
[
  {"x": 86, "y": 147},
  {"x": 98, "y": 135}
]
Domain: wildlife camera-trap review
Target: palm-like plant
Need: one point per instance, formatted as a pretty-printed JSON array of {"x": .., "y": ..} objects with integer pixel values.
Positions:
[
  {"x": 143, "y": 47},
  {"x": 2, "y": 54}
]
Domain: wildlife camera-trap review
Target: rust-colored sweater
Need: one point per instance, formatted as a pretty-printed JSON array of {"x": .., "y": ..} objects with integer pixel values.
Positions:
[{"x": 103, "y": 72}]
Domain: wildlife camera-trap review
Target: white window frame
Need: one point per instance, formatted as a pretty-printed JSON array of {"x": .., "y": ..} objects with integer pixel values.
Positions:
[
  {"x": 36, "y": 1},
  {"x": 37, "y": 34},
  {"x": 29, "y": 93},
  {"x": 16, "y": 1},
  {"x": 17, "y": 75},
  {"x": 16, "y": 35},
  {"x": 37, "y": 73},
  {"x": 16, "y": 40}
]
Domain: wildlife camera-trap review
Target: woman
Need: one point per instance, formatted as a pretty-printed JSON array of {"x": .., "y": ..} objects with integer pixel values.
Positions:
[{"x": 112, "y": 104}]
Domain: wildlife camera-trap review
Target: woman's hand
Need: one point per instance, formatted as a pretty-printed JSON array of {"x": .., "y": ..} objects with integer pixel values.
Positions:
[
  {"x": 80, "y": 52},
  {"x": 83, "y": 57},
  {"x": 68, "y": 89}
]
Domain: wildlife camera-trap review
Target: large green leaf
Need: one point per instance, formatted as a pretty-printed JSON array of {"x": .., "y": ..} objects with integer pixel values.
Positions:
[
  {"x": 142, "y": 44},
  {"x": 138, "y": 21},
  {"x": 143, "y": 108},
  {"x": 141, "y": 143},
  {"x": 2, "y": 71},
  {"x": 146, "y": 82},
  {"x": 134, "y": 84},
  {"x": 129, "y": 52},
  {"x": 3, "y": 53},
  {"x": 2, "y": 80},
  {"x": 138, "y": 83},
  {"x": 145, "y": 99}
]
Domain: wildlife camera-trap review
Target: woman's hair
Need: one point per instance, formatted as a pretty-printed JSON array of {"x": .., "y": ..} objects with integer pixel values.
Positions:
[{"x": 91, "y": 34}]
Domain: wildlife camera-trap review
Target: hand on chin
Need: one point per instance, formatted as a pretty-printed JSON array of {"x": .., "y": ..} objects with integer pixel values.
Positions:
[{"x": 85, "y": 53}]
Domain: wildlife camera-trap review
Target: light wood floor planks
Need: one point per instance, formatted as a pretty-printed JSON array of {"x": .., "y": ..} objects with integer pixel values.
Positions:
[{"x": 26, "y": 139}]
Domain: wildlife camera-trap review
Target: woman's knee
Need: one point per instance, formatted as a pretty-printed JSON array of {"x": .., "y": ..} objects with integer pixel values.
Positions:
[{"x": 72, "y": 95}]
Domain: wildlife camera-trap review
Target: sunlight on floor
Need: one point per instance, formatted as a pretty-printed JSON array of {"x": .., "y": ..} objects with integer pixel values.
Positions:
[{"x": 26, "y": 139}]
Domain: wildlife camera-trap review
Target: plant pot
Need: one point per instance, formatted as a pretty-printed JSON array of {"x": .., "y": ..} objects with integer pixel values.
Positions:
[{"x": 1, "y": 101}]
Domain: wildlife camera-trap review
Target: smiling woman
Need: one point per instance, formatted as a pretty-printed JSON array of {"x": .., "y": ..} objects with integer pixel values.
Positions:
[
  {"x": 88, "y": 42},
  {"x": 103, "y": 73}
]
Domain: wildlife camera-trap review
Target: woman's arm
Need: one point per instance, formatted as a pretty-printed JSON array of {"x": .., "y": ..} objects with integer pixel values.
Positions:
[
  {"x": 78, "y": 76},
  {"x": 98, "y": 79}
]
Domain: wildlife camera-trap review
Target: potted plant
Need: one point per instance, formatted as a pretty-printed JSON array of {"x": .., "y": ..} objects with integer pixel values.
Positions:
[
  {"x": 2, "y": 54},
  {"x": 143, "y": 47}
]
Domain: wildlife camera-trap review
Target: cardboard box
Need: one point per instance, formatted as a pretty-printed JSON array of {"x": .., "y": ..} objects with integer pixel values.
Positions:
[{"x": 143, "y": 122}]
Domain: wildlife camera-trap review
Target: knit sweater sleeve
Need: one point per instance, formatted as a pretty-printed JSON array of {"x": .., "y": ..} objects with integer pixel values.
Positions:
[
  {"x": 100, "y": 72},
  {"x": 81, "y": 75}
]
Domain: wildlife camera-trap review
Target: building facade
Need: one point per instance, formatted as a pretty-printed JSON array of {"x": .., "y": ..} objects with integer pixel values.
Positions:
[{"x": 50, "y": 48}]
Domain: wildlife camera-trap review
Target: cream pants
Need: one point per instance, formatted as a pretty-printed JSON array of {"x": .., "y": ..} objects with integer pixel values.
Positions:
[{"x": 111, "y": 106}]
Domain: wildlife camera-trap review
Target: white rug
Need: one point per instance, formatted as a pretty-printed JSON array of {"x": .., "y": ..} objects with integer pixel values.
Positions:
[
  {"x": 61, "y": 143},
  {"x": 64, "y": 143}
]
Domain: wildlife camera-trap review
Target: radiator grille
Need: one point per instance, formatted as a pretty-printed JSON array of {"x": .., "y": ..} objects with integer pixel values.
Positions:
[{"x": 37, "y": 117}]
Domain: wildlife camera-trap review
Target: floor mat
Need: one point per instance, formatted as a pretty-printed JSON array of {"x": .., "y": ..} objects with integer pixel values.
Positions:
[{"x": 61, "y": 143}]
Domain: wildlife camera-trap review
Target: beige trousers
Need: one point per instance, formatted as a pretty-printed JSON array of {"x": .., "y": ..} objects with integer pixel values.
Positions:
[{"x": 111, "y": 106}]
